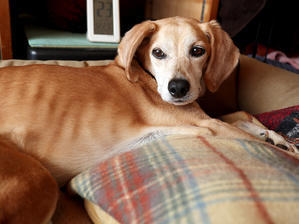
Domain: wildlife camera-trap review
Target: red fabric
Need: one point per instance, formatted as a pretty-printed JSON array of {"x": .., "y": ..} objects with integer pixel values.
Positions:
[
  {"x": 285, "y": 122},
  {"x": 273, "y": 119}
]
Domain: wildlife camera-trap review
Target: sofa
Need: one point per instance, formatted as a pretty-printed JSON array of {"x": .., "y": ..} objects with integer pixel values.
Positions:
[{"x": 191, "y": 179}]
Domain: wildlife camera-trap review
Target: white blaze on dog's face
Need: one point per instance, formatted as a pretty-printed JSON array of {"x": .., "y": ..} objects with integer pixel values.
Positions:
[{"x": 176, "y": 55}]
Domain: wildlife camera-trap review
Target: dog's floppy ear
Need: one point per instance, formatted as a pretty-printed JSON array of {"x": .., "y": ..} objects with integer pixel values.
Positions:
[
  {"x": 129, "y": 45},
  {"x": 224, "y": 56}
]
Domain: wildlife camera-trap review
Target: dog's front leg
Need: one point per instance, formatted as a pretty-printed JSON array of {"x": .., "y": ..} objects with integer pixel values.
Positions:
[
  {"x": 266, "y": 135},
  {"x": 149, "y": 134},
  {"x": 156, "y": 132}
]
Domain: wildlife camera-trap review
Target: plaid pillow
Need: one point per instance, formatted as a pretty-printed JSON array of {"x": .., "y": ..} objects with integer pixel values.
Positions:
[{"x": 184, "y": 179}]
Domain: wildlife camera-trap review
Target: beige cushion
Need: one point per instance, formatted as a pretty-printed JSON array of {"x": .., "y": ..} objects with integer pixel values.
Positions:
[
  {"x": 264, "y": 88},
  {"x": 4, "y": 63}
]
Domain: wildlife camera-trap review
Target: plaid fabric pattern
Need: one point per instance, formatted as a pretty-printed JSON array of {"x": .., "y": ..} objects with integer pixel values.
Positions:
[{"x": 184, "y": 179}]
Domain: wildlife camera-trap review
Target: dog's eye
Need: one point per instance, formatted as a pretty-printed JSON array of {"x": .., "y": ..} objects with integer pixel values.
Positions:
[
  {"x": 158, "y": 53},
  {"x": 197, "y": 51}
]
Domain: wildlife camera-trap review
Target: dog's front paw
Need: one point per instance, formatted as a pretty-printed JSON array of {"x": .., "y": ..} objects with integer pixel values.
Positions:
[{"x": 279, "y": 141}]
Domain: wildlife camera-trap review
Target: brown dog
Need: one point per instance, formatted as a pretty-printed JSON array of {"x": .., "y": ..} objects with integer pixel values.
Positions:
[
  {"x": 69, "y": 119},
  {"x": 28, "y": 192}
]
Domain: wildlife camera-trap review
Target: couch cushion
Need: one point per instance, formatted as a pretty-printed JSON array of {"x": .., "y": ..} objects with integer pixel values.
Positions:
[
  {"x": 13, "y": 62},
  {"x": 264, "y": 88},
  {"x": 185, "y": 179}
]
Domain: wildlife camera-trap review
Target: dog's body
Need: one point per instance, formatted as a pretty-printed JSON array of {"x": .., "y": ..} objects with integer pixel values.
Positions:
[
  {"x": 72, "y": 118},
  {"x": 82, "y": 116}
]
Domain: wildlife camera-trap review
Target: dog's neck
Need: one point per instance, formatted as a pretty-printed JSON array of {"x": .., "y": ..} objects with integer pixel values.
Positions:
[
  {"x": 145, "y": 78},
  {"x": 148, "y": 72}
]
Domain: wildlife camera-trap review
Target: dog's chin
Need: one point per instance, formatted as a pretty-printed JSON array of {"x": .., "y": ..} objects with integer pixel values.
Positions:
[
  {"x": 189, "y": 98},
  {"x": 181, "y": 101}
]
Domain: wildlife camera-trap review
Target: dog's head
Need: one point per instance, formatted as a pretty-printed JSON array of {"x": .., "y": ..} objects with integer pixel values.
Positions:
[{"x": 184, "y": 55}]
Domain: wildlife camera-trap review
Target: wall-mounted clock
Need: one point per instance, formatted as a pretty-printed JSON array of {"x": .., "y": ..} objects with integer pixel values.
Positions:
[{"x": 103, "y": 20}]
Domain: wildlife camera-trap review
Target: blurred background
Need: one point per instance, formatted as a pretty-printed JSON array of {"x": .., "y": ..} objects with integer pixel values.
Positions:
[{"x": 265, "y": 29}]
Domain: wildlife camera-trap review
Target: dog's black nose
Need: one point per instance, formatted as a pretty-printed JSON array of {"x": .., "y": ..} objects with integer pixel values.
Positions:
[{"x": 178, "y": 87}]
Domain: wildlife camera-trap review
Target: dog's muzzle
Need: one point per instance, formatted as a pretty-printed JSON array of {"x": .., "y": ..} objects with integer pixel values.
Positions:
[{"x": 178, "y": 88}]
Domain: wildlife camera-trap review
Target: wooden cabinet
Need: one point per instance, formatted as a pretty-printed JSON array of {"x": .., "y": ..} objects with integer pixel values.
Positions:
[
  {"x": 203, "y": 10},
  {"x": 5, "y": 31}
]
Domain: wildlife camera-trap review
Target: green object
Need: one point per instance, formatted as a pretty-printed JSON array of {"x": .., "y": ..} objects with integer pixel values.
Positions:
[{"x": 39, "y": 36}]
